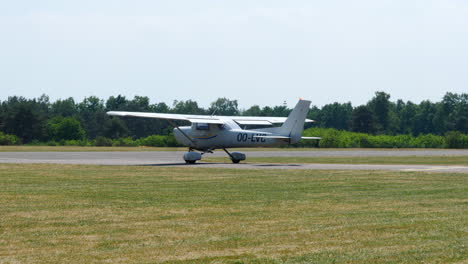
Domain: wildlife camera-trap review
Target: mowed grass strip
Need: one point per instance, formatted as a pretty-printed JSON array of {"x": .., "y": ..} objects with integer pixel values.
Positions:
[
  {"x": 83, "y": 149},
  {"x": 124, "y": 214},
  {"x": 403, "y": 160}
]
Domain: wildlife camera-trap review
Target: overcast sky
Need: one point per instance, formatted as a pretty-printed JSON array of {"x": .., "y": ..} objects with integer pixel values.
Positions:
[{"x": 258, "y": 52}]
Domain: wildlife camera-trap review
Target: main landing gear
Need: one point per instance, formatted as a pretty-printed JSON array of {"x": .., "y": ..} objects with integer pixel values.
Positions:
[
  {"x": 236, "y": 157},
  {"x": 191, "y": 156}
]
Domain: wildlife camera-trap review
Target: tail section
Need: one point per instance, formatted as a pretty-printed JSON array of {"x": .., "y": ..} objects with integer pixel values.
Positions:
[{"x": 294, "y": 124}]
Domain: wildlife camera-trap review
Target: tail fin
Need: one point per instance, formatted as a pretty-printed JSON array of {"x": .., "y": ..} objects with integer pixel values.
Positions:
[{"x": 294, "y": 124}]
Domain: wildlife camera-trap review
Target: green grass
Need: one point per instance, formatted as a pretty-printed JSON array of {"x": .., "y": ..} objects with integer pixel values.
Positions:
[
  {"x": 405, "y": 160},
  {"x": 25, "y": 148},
  {"x": 138, "y": 214}
]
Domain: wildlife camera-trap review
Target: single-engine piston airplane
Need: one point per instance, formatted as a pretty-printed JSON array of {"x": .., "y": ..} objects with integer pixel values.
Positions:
[{"x": 208, "y": 133}]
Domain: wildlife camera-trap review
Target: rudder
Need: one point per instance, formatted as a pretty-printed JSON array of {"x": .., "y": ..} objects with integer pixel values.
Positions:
[{"x": 294, "y": 124}]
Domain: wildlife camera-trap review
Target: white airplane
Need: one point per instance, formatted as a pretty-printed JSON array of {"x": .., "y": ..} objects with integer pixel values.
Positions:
[{"x": 208, "y": 133}]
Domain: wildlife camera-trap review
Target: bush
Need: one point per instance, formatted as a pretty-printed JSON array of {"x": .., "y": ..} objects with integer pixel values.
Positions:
[
  {"x": 153, "y": 141},
  {"x": 172, "y": 142},
  {"x": 158, "y": 141},
  {"x": 124, "y": 142},
  {"x": 103, "y": 142},
  {"x": 80, "y": 143},
  {"x": 65, "y": 128},
  {"x": 332, "y": 138},
  {"x": 428, "y": 141},
  {"x": 6, "y": 139},
  {"x": 455, "y": 139},
  {"x": 52, "y": 143}
]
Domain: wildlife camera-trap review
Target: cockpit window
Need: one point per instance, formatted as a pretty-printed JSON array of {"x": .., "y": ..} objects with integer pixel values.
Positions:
[{"x": 202, "y": 126}]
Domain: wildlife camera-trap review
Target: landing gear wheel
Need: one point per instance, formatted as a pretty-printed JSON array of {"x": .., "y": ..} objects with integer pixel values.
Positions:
[
  {"x": 191, "y": 157},
  {"x": 236, "y": 157}
]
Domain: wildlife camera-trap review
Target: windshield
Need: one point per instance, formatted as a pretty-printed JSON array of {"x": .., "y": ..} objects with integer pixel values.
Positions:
[{"x": 202, "y": 126}]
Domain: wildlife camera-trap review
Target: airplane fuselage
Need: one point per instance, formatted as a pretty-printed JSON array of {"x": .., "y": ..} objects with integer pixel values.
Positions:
[{"x": 229, "y": 135}]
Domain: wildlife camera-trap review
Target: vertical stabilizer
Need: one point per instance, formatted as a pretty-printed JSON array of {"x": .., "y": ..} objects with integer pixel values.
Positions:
[{"x": 294, "y": 124}]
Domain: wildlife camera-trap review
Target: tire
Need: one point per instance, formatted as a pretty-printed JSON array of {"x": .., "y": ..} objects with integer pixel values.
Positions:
[
  {"x": 190, "y": 161},
  {"x": 235, "y": 161}
]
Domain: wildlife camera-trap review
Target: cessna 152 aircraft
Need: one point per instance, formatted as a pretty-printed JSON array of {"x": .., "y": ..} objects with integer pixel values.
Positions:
[{"x": 208, "y": 133}]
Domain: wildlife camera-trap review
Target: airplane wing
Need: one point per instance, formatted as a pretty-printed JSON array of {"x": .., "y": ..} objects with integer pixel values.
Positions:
[
  {"x": 190, "y": 118},
  {"x": 261, "y": 120},
  {"x": 241, "y": 120}
]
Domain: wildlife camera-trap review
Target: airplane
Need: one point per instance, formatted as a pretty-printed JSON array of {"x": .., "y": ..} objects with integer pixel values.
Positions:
[{"x": 208, "y": 133}]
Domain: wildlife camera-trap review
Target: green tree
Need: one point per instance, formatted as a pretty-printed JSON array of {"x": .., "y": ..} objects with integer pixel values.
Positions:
[
  {"x": 115, "y": 127},
  {"x": 406, "y": 115},
  {"x": 187, "y": 107},
  {"x": 66, "y": 107},
  {"x": 253, "y": 111},
  {"x": 65, "y": 128},
  {"x": 280, "y": 111},
  {"x": 224, "y": 106},
  {"x": 314, "y": 113},
  {"x": 362, "y": 120},
  {"x": 93, "y": 116},
  {"x": 25, "y": 118},
  {"x": 336, "y": 115},
  {"x": 140, "y": 127},
  {"x": 380, "y": 107},
  {"x": 457, "y": 117},
  {"x": 117, "y": 103},
  {"x": 424, "y": 118}
]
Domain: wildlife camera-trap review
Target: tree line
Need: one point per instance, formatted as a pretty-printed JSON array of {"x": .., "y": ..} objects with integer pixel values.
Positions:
[{"x": 37, "y": 120}]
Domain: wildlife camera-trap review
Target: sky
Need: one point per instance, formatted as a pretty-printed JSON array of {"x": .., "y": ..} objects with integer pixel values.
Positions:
[{"x": 257, "y": 52}]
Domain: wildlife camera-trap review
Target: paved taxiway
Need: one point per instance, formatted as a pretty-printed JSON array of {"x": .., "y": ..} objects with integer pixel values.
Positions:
[{"x": 174, "y": 158}]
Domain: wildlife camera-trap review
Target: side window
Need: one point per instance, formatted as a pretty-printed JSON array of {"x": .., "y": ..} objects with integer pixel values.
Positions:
[{"x": 202, "y": 126}]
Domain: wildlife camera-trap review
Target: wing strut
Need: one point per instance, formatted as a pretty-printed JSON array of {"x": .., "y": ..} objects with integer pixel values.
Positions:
[{"x": 180, "y": 130}]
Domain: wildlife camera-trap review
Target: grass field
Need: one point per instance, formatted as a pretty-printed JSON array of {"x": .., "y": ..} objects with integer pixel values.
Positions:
[
  {"x": 405, "y": 160},
  {"x": 81, "y": 149},
  {"x": 124, "y": 214}
]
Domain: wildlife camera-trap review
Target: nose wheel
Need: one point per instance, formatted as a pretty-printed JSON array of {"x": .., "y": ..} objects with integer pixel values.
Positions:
[{"x": 191, "y": 157}]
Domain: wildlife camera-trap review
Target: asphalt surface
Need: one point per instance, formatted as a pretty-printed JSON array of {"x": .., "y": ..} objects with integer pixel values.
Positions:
[{"x": 174, "y": 158}]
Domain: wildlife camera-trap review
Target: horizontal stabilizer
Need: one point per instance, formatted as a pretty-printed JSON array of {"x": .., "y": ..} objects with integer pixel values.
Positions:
[{"x": 311, "y": 138}]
